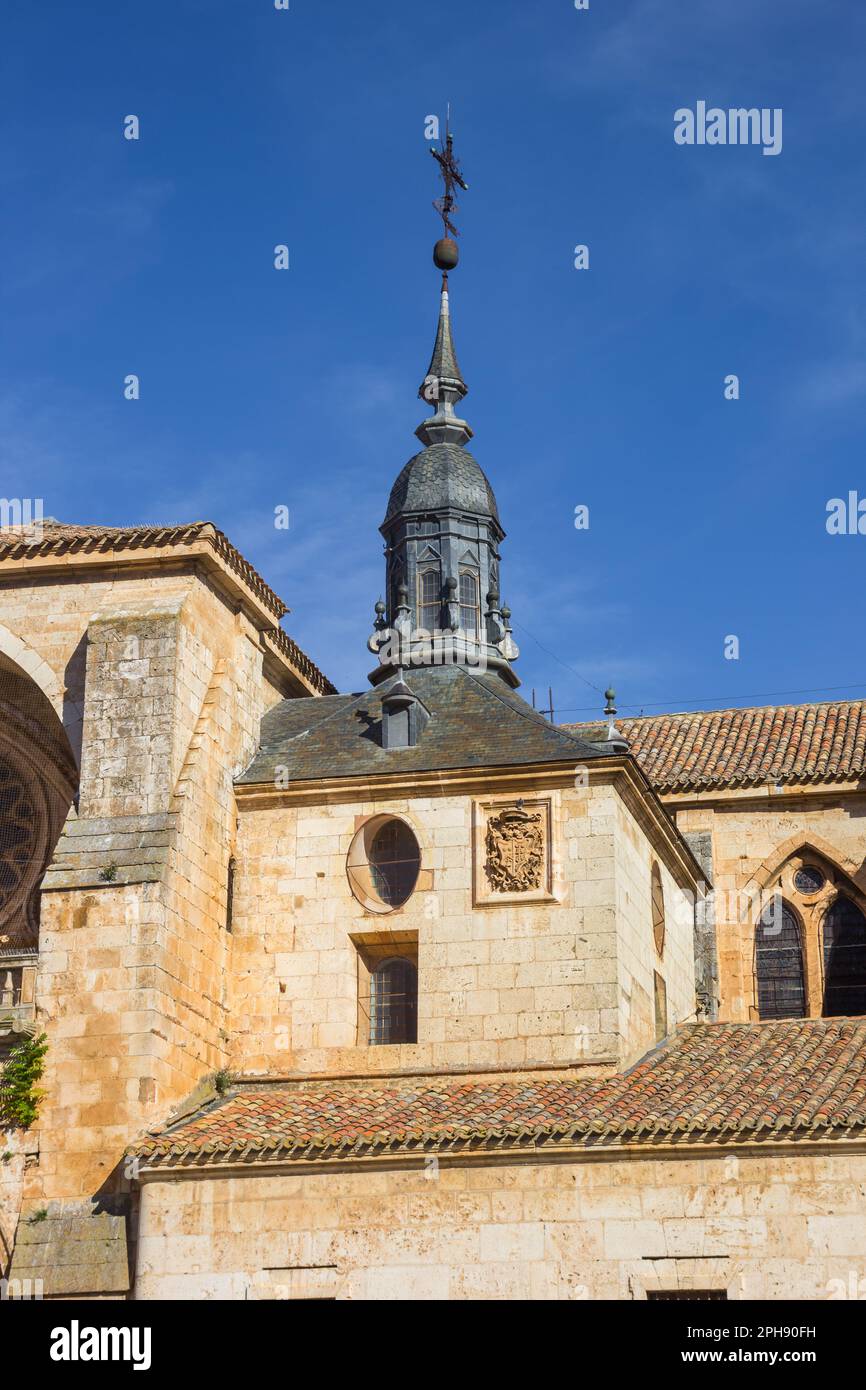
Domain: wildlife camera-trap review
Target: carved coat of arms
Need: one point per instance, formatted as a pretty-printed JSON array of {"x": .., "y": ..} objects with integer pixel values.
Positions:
[{"x": 515, "y": 850}]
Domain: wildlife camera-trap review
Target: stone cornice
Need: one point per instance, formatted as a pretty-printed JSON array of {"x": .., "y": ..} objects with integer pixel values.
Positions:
[
  {"x": 69, "y": 552},
  {"x": 475, "y": 1154},
  {"x": 748, "y": 798},
  {"x": 64, "y": 547}
]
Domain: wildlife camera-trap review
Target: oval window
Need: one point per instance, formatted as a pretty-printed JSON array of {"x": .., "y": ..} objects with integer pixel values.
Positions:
[
  {"x": 384, "y": 863},
  {"x": 658, "y": 909},
  {"x": 394, "y": 862}
]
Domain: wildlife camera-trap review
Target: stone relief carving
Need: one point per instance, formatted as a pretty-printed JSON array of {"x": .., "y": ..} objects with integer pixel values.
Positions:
[{"x": 514, "y": 846}]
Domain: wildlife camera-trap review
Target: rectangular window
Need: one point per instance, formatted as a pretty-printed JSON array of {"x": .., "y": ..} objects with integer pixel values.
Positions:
[
  {"x": 393, "y": 1002},
  {"x": 469, "y": 615},
  {"x": 387, "y": 987},
  {"x": 429, "y": 599}
]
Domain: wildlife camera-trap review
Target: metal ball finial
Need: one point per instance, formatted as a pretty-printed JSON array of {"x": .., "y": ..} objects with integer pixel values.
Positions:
[{"x": 445, "y": 254}]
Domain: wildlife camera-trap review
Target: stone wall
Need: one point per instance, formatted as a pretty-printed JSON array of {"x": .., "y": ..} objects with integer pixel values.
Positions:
[
  {"x": 519, "y": 985},
  {"x": 165, "y": 679},
  {"x": 638, "y": 959},
  {"x": 773, "y": 1225},
  {"x": 17, "y": 1147},
  {"x": 751, "y": 839}
]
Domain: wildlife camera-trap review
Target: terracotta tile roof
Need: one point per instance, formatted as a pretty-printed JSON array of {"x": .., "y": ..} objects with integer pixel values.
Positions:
[
  {"x": 58, "y": 538},
  {"x": 748, "y": 747},
  {"x": 299, "y": 659},
  {"x": 738, "y": 1081}
]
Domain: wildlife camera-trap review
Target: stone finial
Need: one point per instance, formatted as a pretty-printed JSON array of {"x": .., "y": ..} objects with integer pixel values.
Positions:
[
  {"x": 508, "y": 646},
  {"x": 403, "y": 615},
  {"x": 379, "y": 635},
  {"x": 493, "y": 616},
  {"x": 614, "y": 739}
]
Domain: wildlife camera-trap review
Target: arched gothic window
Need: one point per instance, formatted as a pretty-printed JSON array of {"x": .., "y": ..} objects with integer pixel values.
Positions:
[
  {"x": 844, "y": 960},
  {"x": 429, "y": 599},
  {"x": 469, "y": 615},
  {"x": 779, "y": 963},
  {"x": 394, "y": 1002}
]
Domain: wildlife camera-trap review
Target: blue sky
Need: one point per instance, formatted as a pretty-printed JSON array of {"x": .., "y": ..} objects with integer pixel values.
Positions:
[{"x": 603, "y": 387}]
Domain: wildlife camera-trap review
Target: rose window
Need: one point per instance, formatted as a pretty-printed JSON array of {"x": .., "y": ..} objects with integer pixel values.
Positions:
[{"x": 19, "y": 833}]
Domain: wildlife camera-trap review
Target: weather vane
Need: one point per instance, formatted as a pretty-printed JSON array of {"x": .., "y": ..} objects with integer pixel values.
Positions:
[{"x": 445, "y": 252}]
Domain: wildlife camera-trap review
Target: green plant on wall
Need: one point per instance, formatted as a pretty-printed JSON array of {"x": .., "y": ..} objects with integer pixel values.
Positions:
[
  {"x": 19, "y": 1091},
  {"x": 222, "y": 1081}
]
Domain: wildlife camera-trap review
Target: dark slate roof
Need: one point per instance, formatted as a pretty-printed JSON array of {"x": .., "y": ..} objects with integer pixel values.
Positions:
[
  {"x": 795, "y": 1080},
  {"x": 475, "y": 721},
  {"x": 440, "y": 477},
  {"x": 444, "y": 363}
]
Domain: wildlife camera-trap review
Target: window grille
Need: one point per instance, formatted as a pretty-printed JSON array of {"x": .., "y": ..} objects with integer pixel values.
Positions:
[
  {"x": 844, "y": 960},
  {"x": 394, "y": 1003},
  {"x": 394, "y": 862},
  {"x": 429, "y": 600},
  {"x": 779, "y": 964},
  {"x": 469, "y": 615}
]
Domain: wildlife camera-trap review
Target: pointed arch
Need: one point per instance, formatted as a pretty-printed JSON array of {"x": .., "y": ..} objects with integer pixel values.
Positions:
[
  {"x": 844, "y": 957},
  {"x": 780, "y": 976},
  {"x": 796, "y": 844}
]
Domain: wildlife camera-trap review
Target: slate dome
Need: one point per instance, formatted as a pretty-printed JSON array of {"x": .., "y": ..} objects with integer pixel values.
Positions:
[{"x": 442, "y": 476}]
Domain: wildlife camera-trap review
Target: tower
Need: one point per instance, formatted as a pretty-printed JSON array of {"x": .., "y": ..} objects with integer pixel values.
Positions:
[{"x": 442, "y": 530}]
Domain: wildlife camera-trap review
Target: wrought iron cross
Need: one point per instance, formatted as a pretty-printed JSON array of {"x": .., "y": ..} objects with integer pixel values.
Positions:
[{"x": 451, "y": 176}]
